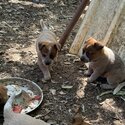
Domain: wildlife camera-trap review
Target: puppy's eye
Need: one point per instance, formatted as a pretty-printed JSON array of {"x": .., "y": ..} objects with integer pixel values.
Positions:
[
  {"x": 85, "y": 42},
  {"x": 52, "y": 56},
  {"x": 83, "y": 51},
  {"x": 44, "y": 55},
  {"x": 89, "y": 54}
]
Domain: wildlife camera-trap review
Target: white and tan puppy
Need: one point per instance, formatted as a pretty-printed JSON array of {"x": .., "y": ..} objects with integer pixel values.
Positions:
[
  {"x": 103, "y": 62},
  {"x": 47, "y": 48},
  {"x": 12, "y": 118}
]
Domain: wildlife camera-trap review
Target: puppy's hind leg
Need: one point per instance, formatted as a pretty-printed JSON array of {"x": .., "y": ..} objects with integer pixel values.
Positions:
[
  {"x": 110, "y": 85},
  {"x": 45, "y": 70},
  {"x": 106, "y": 86}
]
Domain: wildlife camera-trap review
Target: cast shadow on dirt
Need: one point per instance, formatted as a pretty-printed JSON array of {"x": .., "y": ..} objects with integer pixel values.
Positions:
[
  {"x": 109, "y": 110},
  {"x": 105, "y": 111}
]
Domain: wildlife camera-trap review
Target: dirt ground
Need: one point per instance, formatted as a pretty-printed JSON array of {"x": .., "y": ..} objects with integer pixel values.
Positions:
[{"x": 68, "y": 93}]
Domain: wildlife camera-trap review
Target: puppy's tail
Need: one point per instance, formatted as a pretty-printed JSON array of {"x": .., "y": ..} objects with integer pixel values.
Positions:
[
  {"x": 43, "y": 26},
  {"x": 118, "y": 88},
  {"x": 8, "y": 105}
]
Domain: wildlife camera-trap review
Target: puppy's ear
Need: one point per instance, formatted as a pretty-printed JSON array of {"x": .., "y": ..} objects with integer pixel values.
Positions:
[
  {"x": 98, "y": 46},
  {"x": 43, "y": 26},
  {"x": 57, "y": 46}
]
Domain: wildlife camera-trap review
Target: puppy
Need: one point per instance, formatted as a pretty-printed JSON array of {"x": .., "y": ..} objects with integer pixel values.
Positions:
[
  {"x": 3, "y": 95},
  {"x": 103, "y": 62},
  {"x": 47, "y": 48},
  {"x": 12, "y": 118}
]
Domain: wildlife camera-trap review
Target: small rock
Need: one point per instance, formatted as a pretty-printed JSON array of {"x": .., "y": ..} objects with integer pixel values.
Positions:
[
  {"x": 70, "y": 55},
  {"x": 3, "y": 32},
  {"x": 66, "y": 82},
  {"x": 60, "y": 77},
  {"x": 80, "y": 93},
  {"x": 38, "y": 116},
  {"x": 83, "y": 108},
  {"x": 21, "y": 7},
  {"x": 118, "y": 122},
  {"x": 62, "y": 93},
  {"x": 1, "y": 8},
  {"x": 53, "y": 81},
  {"x": 51, "y": 122},
  {"x": 53, "y": 91},
  {"x": 67, "y": 63},
  {"x": 80, "y": 71},
  {"x": 66, "y": 87},
  {"x": 47, "y": 117}
]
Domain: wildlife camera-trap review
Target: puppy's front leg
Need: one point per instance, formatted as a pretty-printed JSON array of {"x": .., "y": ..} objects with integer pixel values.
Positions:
[
  {"x": 45, "y": 70},
  {"x": 88, "y": 72},
  {"x": 112, "y": 82},
  {"x": 94, "y": 76}
]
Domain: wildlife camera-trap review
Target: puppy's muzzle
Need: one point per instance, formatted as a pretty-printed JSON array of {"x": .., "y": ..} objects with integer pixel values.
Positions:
[
  {"x": 48, "y": 62},
  {"x": 84, "y": 58}
]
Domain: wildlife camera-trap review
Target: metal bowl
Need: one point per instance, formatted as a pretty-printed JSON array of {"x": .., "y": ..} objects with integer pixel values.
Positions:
[{"x": 30, "y": 85}]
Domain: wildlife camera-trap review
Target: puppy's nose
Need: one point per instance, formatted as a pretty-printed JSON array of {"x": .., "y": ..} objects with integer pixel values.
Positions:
[
  {"x": 48, "y": 62},
  {"x": 82, "y": 58}
]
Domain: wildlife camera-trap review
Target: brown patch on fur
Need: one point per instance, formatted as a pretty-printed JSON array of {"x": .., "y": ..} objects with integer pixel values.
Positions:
[
  {"x": 93, "y": 48},
  {"x": 53, "y": 52},
  {"x": 44, "y": 47},
  {"x": 48, "y": 49},
  {"x": 3, "y": 95}
]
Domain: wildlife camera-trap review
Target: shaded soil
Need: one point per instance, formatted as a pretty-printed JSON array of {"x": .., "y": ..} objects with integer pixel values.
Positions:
[{"x": 19, "y": 28}]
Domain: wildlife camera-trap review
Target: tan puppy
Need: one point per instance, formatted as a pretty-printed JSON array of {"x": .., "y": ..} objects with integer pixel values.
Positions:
[
  {"x": 3, "y": 95},
  {"x": 47, "y": 48},
  {"x": 11, "y": 118},
  {"x": 103, "y": 62}
]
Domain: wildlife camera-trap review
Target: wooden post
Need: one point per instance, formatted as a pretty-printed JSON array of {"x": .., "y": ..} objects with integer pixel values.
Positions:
[
  {"x": 73, "y": 21},
  {"x": 84, "y": 27}
]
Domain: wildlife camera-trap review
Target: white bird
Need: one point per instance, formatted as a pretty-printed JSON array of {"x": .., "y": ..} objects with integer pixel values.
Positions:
[{"x": 12, "y": 118}]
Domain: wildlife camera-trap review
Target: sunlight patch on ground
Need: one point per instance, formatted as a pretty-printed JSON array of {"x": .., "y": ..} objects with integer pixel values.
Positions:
[
  {"x": 81, "y": 87},
  {"x": 28, "y": 3},
  {"x": 110, "y": 105}
]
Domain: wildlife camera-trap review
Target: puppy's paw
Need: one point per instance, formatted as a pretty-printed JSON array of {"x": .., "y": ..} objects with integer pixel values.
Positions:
[
  {"x": 47, "y": 78},
  {"x": 106, "y": 86},
  {"x": 47, "y": 75},
  {"x": 87, "y": 73},
  {"x": 89, "y": 80},
  {"x": 43, "y": 80}
]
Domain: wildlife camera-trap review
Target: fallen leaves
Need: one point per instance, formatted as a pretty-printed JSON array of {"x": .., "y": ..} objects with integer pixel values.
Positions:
[
  {"x": 66, "y": 86},
  {"x": 79, "y": 120}
]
